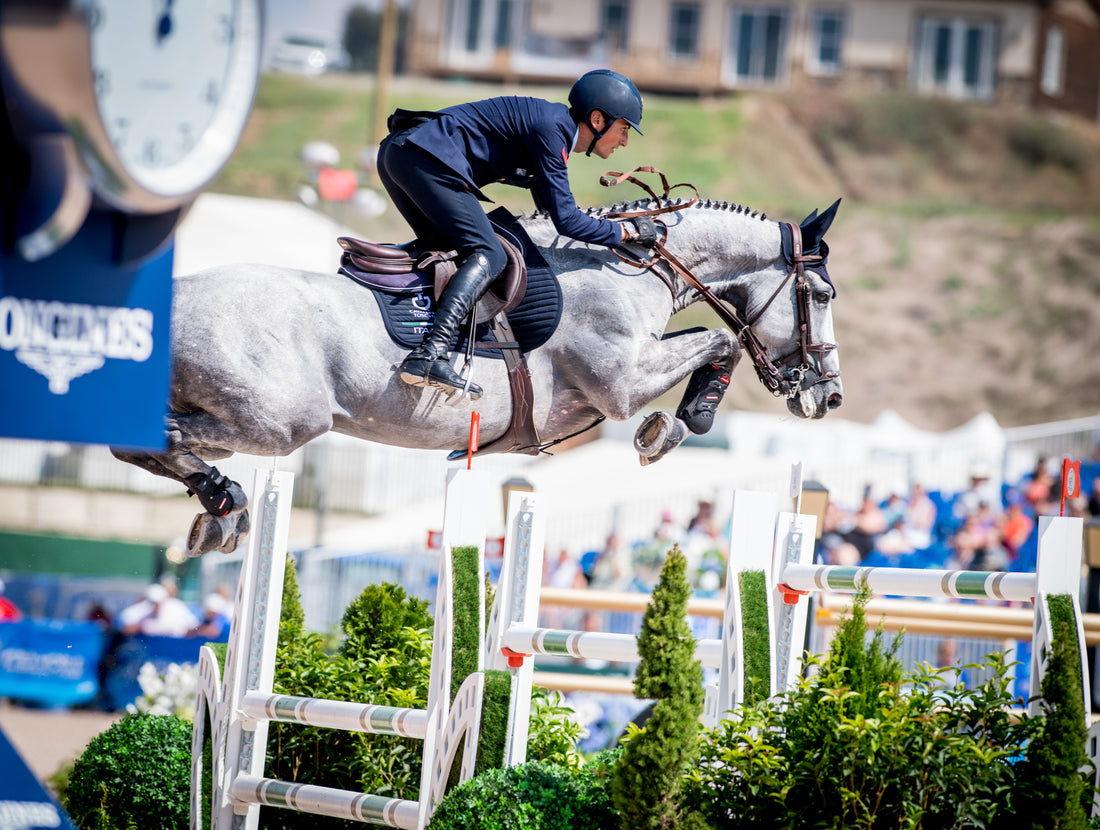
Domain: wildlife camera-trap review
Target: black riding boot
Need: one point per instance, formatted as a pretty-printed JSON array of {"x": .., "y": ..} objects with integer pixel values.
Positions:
[{"x": 427, "y": 364}]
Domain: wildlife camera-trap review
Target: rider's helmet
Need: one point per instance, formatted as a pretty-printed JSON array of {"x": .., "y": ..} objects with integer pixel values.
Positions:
[{"x": 611, "y": 93}]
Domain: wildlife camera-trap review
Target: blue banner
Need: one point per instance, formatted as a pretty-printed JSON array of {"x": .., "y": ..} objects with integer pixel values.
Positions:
[
  {"x": 84, "y": 343},
  {"x": 120, "y": 685},
  {"x": 24, "y": 802},
  {"x": 52, "y": 663}
]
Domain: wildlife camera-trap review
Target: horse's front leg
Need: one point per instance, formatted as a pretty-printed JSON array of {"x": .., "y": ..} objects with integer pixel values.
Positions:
[{"x": 708, "y": 355}]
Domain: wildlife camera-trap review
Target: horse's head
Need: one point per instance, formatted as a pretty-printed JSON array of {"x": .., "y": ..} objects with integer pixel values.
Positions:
[{"x": 801, "y": 361}]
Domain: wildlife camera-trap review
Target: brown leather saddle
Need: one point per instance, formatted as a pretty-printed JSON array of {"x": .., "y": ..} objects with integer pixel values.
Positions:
[
  {"x": 387, "y": 268},
  {"x": 394, "y": 270}
]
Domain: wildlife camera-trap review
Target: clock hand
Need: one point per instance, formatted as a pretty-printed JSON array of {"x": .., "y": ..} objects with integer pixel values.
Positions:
[{"x": 164, "y": 24}]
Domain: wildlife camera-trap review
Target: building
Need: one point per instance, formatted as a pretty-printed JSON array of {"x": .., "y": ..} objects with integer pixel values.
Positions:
[
  {"x": 1068, "y": 58},
  {"x": 966, "y": 49}
]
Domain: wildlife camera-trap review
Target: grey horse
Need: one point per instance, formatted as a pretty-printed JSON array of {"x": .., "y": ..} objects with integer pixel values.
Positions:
[{"x": 266, "y": 358}]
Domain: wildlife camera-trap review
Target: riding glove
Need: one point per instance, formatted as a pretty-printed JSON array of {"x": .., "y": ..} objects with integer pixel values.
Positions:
[{"x": 645, "y": 231}]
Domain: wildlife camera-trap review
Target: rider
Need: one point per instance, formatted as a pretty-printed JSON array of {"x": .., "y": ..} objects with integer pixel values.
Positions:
[{"x": 433, "y": 165}]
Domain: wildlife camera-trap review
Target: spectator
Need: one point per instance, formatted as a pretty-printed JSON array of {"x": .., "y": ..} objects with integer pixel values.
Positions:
[
  {"x": 868, "y": 523},
  {"x": 610, "y": 570},
  {"x": 977, "y": 544},
  {"x": 215, "y": 618},
  {"x": 948, "y": 671},
  {"x": 894, "y": 541},
  {"x": 702, "y": 540},
  {"x": 158, "y": 613},
  {"x": 1015, "y": 526},
  {"x": 9, "y": 612},
  {"x": 131, "y": 617},
  {"x": 980, "y": 490},
  {"x": 920, "y": 517},
  {"x": 1039, "y": 486},
  {"x": 99, "y": 614},
  {"x": 666, "y": 532},
  {"x": 835, "y": 551},
  {"x": 566, "y": 572},
  {"x": 1094, "y": 499}
]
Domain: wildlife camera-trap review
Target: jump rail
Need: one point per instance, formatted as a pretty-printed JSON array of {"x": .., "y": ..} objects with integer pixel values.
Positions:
[
  {"x": 769, "y": 569},
  {"x": 240, "y": 706}
]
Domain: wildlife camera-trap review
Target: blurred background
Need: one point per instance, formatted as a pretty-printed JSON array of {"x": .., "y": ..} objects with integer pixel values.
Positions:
[{"x": 963, "y": 136}]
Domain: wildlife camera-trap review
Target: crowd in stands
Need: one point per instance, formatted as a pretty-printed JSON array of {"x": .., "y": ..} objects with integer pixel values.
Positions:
[
  {"x": 982, "y": 527},
  {"x": 979, "y": 528},
  {"x": 157, "y": 612}
]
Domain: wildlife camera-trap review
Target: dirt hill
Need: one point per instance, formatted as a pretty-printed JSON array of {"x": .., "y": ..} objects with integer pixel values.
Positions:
[{"x": 967, "y": 253}]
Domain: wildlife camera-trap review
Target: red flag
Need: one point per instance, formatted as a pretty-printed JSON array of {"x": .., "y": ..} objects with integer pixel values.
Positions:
[
  {"x": 1071, "y": 482},
  {"x": 475, "y": 430}
]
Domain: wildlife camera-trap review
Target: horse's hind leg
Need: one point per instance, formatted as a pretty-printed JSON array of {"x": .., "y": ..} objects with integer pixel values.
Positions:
[{"x": 225, "y": 523}]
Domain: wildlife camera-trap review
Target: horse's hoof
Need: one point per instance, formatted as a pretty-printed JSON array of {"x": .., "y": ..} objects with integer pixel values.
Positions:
[
  {"x": 658, "y": 435},
  {"x": 237, "y": 535},
  {"x": 206, "y": 534},
  {"x": 651, "y": 434}
]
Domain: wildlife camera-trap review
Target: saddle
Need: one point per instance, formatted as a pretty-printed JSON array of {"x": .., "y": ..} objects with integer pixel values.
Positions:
[
  {"x": 520, "y": 313},
  {"x": 395, "y": 270}
]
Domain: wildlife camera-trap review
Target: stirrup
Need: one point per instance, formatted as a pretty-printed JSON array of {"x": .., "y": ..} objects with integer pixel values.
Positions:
[
  {"x": 704, "y": 393},
  {"x": 438, "y": 374}
]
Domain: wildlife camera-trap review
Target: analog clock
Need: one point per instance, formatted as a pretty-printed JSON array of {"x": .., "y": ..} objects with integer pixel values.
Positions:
[{"x": 148, "y": 98}]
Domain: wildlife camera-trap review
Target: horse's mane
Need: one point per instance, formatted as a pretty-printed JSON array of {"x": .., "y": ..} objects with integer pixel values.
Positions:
[{"x": 649, "y": 204}]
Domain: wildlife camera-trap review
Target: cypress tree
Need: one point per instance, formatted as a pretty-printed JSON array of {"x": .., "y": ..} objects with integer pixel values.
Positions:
[
  {"x": 1054, "y": 790},
  {"x": 646, "y": 783}
]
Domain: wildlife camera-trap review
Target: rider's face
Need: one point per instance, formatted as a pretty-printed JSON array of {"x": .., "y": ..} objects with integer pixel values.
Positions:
[{"x": 613, "y": 139}]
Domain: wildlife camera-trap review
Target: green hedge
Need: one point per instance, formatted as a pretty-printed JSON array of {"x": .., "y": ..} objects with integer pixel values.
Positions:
[{"x": 134, "y": 776}]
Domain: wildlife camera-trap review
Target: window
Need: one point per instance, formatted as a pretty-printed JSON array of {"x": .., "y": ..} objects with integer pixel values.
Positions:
[
  {"x": 758, "y": 44},
  {"x": 502, "y": 33},
  {"x": 956, "y": 57},
  {"x": 826, "y": 42},
  {"x": 615, "y": 24},
  {"x": 473, "y": 26},
  {"x": 1054, "y": 62},
  {"x": 683, "y": 41}
]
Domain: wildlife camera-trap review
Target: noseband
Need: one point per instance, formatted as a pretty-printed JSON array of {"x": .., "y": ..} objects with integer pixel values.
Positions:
[{"x": 786, "y": 377}]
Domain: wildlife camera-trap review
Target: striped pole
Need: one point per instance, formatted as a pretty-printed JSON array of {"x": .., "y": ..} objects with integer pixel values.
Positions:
[
  {"x": 594, "y": 645},
  {"x": 336, "y": 714},
  {"x": 326, "y": 801},
  {"x": 912, "y": 582}
]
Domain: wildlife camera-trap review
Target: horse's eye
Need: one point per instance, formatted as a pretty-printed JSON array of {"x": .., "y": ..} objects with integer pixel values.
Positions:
[{"x": 822, "y": 297}]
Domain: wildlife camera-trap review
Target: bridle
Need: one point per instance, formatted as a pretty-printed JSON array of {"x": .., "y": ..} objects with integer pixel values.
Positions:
[{"x": 786, "y": 377}]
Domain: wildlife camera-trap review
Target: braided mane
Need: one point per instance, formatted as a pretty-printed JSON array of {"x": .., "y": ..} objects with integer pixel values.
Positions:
[{"x": 649, "y": 204}]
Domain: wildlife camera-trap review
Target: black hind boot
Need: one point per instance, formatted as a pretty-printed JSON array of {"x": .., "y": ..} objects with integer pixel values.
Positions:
[{"x": 427, "y": 364}]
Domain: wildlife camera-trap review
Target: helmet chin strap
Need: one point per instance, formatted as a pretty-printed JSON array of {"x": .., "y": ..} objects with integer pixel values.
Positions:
[{"x": 596, "y": 134}]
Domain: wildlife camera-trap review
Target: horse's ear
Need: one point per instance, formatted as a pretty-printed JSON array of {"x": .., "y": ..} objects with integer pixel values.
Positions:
[{"x": 814, "y": 226}]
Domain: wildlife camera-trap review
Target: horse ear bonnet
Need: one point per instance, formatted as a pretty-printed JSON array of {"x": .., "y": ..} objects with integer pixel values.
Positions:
[{"x": 813, "y": 239}]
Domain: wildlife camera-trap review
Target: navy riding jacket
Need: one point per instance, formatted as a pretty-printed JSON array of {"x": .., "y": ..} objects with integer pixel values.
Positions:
[{"x": 519, "y": 141}]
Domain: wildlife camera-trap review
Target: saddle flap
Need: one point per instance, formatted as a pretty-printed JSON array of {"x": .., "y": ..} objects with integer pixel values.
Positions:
[
  {"x": 505, "y": 292},
  {"x": 391, "y": 269}
]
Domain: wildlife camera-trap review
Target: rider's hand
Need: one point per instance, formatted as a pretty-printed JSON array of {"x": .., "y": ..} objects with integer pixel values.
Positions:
[{"x": 641, "y": 230}]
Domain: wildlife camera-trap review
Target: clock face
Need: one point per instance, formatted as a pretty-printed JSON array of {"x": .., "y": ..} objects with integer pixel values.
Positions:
[{"x": 173, "y": 83}]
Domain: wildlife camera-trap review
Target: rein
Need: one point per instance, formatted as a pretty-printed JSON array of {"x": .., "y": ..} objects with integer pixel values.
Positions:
[{"x": 781, "y": 378}]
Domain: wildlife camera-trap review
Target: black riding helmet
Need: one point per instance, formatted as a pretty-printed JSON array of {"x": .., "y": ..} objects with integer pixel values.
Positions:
[{"x": 611, "y": 93}]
